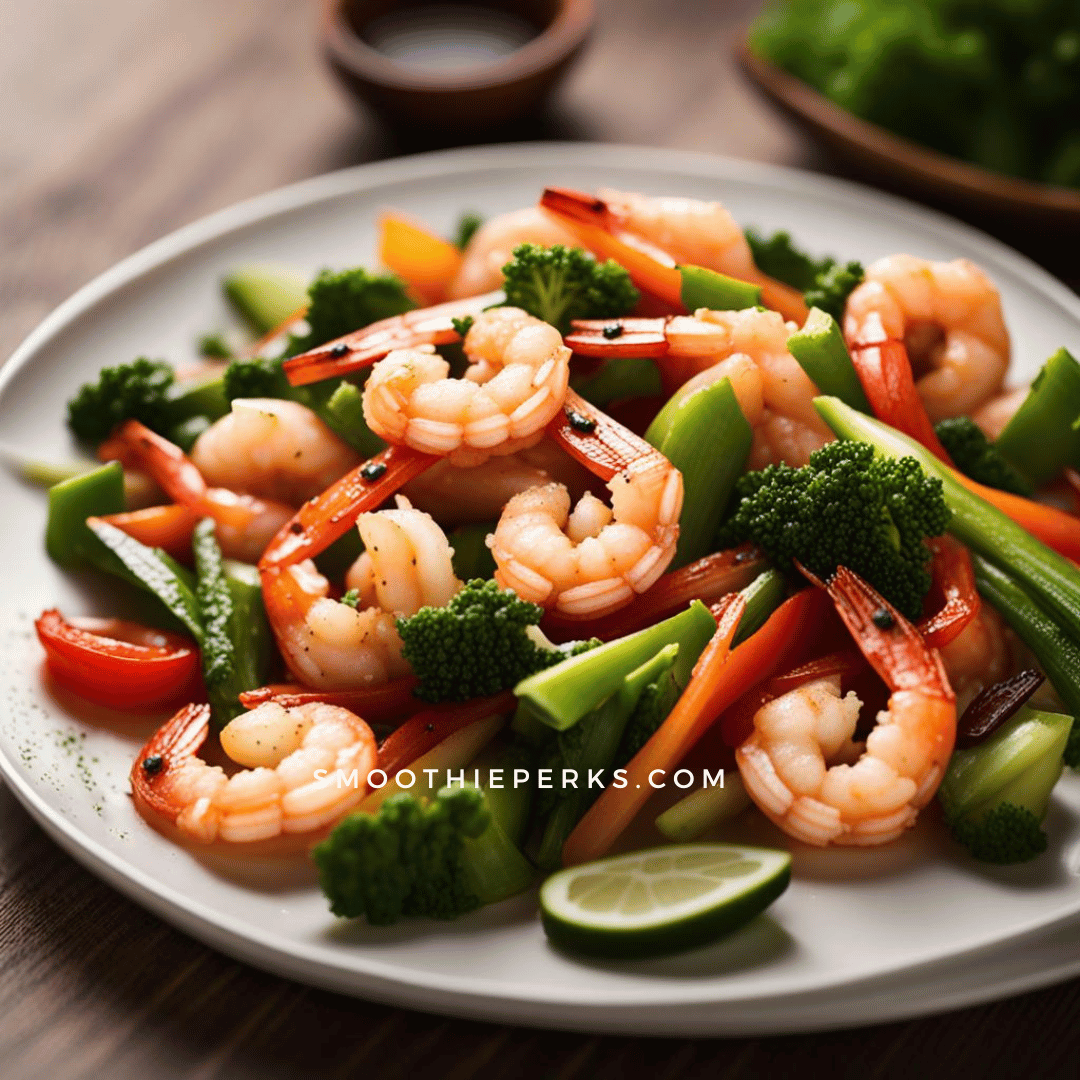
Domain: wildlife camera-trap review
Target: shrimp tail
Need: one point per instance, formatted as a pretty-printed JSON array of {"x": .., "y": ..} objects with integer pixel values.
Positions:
[{"x": 175, "y": 742}]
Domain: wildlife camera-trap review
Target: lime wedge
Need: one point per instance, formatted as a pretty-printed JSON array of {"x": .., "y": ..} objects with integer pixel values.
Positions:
[{"x": 660, "y": 901}]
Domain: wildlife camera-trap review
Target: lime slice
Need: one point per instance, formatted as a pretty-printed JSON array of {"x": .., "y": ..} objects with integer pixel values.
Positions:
[{"x": 663, "y": 900}]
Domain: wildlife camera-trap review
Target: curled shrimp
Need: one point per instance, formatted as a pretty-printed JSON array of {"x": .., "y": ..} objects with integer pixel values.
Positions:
[
  {"x": 749, "y": 347},
  {"x": 492, "y": 246},
  {"x": 515, "y": 385},
  {"x": 304, "y": 767},
  {"x": 800, "y": 765},
  {"x": 244, "y": 524},
  {"x": 272, "y": 449},
  {"x": 592, "y": 560},
  {"x": 651, "y": 236},
  {"x": 949, "y": 317},
  {"x": 330, "y": 645}
]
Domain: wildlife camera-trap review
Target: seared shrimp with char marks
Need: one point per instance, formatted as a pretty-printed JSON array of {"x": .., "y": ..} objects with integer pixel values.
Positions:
[
  {"x": 800, "y": 765},
  {"x": 949, "y": 317},
  {"x": 304, "y": 767},
  {"x": 515, "y": 385}
]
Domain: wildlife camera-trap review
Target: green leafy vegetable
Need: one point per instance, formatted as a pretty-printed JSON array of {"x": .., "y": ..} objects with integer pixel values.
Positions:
[
  {"x": 469, "y": 222},
  {"x": 139, "y": 390}
]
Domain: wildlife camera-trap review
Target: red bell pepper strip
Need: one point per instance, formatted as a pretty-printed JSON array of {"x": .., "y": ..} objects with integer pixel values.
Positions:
[
  {"x": 118, "y": 663},
  {"x": 376, "y": 704},
  {"x": 427, "y": 729},
  {"x": 954, "y": 580},
  {"x": 167, "y": 527}
]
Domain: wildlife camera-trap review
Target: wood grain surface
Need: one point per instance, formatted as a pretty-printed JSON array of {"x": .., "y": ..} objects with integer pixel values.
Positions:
[{"x": 123, "y": 120}]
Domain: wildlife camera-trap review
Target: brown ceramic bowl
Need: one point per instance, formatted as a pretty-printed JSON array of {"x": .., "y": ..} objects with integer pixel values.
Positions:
[
  {"x": 485, "y": 96},
  {"x": 883, "y": 154}
]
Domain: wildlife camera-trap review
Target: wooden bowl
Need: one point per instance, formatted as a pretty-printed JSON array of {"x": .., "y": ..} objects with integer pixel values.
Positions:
[
  {"x": 485, "y": 96},
  {"x": 896, "y": 159}
]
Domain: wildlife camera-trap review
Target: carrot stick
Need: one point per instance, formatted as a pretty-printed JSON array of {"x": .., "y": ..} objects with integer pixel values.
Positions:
[
  {"x": 1055, "y": 528},
  {"x": 700, "y": 702}
]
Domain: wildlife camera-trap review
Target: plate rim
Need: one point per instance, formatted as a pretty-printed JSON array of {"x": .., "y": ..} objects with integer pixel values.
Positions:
[{"x": 390, "y": 982}]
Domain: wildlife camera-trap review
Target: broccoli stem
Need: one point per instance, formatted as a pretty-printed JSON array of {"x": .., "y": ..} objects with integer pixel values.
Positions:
[
  {"x": 265, "y": 296},
  {"x": 561, "y": 695},
  {"x": 703, "y": 288},
  {"x": 1042, "y": 436},
  {"x": 594, "y": 742},
  {"x": 1057, "y": 652},
  {"x": 1020, "y": 763},
  {"x": 706, "y": 437},
  {"x": 819, "y": 347},
  {"x": 1052, "y": 580}
]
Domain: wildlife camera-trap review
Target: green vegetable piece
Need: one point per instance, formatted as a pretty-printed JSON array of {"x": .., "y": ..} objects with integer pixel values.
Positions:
[
  {"x": 763, "y": 596},
  {"x": 846, "y": 508},
  {"x": 249, "y": 627},
  {"x": 1057, "y": 651},
  {"x": 560, "y": 284},
  {"x": 265, "y": 296},
  {"x": 704, "y": 809},
  {"x": 340, "y": 302},
  {"x": 559, "y": 697},
  {"x": 706, "y": 437},
  {"x": 778, "y": 257},
  {"x": 140, "y": 390},
  {"x": 344, "y": 412},
  {"x": 702, "y": 288},
  {"x": 1051, "y": 580},
  {"x": 655, "y": 699},
  {"x": 68, "y": 541},
  {"x": 1041, "y": 438},
  {"x": 975, "y": 456},
  {"x": 631, "y": 377},
  {"x": 484, "y": 641},
  {"x": 819, "y": 347},
  {"x": 214, "y": 347},
  {"x": 467, "y": 225},
  {"x": 590, "y": 748},
  {"x": 157, "y": 572},
  {"x": 472, "y": 558},
  {"x": 204, "y": 398},
  {"x": 833, "y": 286},
  {"x": 47, "y": 474},
  {"x": 996, "y": 794},
  {"x": 187, "y": 433}
]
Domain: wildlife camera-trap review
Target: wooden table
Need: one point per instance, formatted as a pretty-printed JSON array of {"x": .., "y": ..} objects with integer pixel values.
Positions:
[{"x": 121, "y": 122}]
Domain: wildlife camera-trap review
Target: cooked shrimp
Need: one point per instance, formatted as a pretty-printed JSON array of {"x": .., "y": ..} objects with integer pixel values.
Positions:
[
  {"x": 801, "y": 766},
  {"x": 749, "y": 347},
  {"x": 304, "y": 767},
  {"x": 330, "y": 645},
  {"x": 979, "y": 656},
  {"x": 652, "y": 236},
  {"x": 456, "y": 495},
  {"x": 594, "y": 559},
  {"x": 948, "y": 314},
  {"x": 993, "y": 416},
  {"x": 273, "y": 449},
  {"x": 492, "y": 246},
  {"x": 244, "y": 524},
  {"x": 515, "y": 385}
]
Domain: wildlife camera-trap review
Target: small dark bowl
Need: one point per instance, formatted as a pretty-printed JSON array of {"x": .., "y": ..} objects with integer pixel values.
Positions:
[
  {"x": 485, "y": 96},
  {"x": 894, "y": 159}
]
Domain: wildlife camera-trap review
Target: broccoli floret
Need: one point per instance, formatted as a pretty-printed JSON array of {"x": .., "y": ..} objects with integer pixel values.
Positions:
[
  {"x": 846, "y": 507},
  {"x": 405, "y": 860},
  {"x": 466, "y": 228},
  {"x": 975, "y": 456},
  {"x": 342, "y": 302},
  {"x": 257, "y": 378},
  {"x": 214, "y": 347},
  {"x": 1008, "y": 834},
  {"x": 824, "y": 283},
  {"x": 832, "y": 286},
  {"x": 559, "y": 284},
  {"x": 995, "y": 795},
  {"x": 484, "y": 641},
  {"x": 656, "y": 701},
  {"x": 138, "y": 390}
]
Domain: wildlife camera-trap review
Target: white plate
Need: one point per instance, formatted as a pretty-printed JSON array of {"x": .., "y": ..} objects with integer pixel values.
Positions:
[{"x": 859, "y": 937}]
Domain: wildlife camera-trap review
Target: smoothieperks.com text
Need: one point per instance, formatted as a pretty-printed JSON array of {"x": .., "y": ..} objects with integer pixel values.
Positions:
[{"x": 545, "y": 779}]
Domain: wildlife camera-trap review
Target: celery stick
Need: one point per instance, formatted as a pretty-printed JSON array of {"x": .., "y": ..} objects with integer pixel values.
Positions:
[
  {"x": 265, "y": 296},
  {"x": 706, "y": 437},
  {"x": 819, "y": 347},
  {"x": 704, "y": 809},
  {"x": 1041, "y": 438},
  {"x": 763, "y": 596}
]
